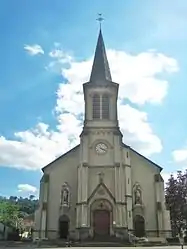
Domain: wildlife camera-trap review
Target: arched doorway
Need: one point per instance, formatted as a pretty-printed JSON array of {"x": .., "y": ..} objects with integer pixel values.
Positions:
[
  {"x": 101, "y": 223},
  {"x": 139, "y": 226},
  {"x": 101, "y": 218},
  {"x": 63, "y": 227}
]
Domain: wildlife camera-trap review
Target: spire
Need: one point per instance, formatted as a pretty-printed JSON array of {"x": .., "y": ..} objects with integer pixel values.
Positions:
[{"x": 100, "y": 69}]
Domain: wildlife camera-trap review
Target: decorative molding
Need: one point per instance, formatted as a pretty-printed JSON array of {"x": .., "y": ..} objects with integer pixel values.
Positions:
[
  {"x": 121, "y": 203},
  {"x": 101, "y": 166},
  {"x": 81, "y": 203},
  {"x": 101, "y": 203},
  {"x": 101, "y": 192},
  {"x": 117, "y": 164},
  {"x": 159, "y": 205},
  {"x": 44, "y": 206},
  {"x": 158, "y": 178},
  {"x": 117, "y": 132},
  {"x": 126, "y": 165},
  {"x": 101, "y": 184},
  {"x": 85, "y": 164}
]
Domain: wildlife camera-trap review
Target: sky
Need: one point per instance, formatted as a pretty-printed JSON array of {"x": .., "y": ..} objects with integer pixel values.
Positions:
[{"x": 47, "y": 49}]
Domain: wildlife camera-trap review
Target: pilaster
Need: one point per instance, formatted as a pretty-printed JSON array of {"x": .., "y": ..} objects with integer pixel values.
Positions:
[
  {"x": 82, "y": 210},
  {"x": 44, "y": 208},
  {"x": 128, "y": 187},
  {"x": 159, "y": 200}
]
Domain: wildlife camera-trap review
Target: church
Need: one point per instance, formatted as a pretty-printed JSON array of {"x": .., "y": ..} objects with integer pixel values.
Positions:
[{"x": 102, "y": 187}]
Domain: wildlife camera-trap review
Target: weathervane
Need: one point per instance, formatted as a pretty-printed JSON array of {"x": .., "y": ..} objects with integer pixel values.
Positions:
[{"x": 100, "y": 19}]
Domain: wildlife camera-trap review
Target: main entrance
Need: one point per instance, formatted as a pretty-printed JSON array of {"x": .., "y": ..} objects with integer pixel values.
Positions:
[{"x": 101, "y": 223}]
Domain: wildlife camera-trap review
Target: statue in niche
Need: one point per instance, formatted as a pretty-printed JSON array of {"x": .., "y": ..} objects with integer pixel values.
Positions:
[
  {"x": 65, "y": 194},
  {"x": 138, "y": 196}
]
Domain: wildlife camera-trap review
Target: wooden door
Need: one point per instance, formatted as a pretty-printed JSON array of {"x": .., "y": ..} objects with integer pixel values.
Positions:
[{"x": 101, "y": 222}]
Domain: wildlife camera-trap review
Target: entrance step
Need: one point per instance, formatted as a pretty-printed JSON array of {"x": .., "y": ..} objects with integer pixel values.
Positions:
[{"x": 101, "y": 244}]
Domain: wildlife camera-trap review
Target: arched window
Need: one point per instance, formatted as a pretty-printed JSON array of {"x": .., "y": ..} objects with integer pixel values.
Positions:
[
  {"x": 105, "y": 106},
  {"x": 96, "y": 107},
  {"x": 100, "y": 106}
]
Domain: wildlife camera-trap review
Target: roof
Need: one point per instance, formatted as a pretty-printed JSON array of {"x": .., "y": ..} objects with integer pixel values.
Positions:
[
  {"x": 100, "y": 70},
  {"x": 126, "y": 146},
  {"x": 60, "y": 157},
  {"x": 156, "y": 165}
]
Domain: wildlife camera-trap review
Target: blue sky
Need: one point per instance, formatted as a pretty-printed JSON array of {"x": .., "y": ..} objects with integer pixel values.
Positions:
[{"x": 46, "y": 44}]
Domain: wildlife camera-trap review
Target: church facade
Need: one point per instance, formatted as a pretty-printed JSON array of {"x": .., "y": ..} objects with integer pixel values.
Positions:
[{"x": 102, "y": 187}]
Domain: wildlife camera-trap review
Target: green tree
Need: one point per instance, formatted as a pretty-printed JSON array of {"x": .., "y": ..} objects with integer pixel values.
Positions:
[
  {"x": 9, "y": 213},
  {"x": 176, "y": 193}
]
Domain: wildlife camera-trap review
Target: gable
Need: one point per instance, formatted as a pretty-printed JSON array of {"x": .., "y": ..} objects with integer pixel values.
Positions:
[
  {"x": 145, "y": 158},
  {"x": 101, "y": 191},
  {"x": 67, "y": 154}
]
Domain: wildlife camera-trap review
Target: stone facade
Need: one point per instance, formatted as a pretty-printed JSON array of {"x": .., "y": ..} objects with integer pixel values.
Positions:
[{"x": 102, "y": 187}]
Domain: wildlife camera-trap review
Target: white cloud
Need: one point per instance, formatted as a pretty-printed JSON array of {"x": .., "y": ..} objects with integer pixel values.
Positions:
[
  {"x": 26, "y": 188},
  {"x": 137, "y": 76},
  {"x": 34, "y": 49},
  {"x": 137, "y": 130},
  {"x": 180, "y": 157},
  {"x": 166, "y": 175}
]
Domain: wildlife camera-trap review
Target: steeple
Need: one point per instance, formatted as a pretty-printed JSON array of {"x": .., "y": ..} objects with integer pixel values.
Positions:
[{"x": 100, "y": 69}]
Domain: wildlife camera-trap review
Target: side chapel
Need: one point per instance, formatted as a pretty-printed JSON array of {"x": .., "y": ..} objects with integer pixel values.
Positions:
[{"x": 101, "y": 187}]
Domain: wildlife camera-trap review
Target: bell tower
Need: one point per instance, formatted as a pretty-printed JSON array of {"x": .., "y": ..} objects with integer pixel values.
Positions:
[
  {"x": 100, "y": 140},
  {"x": 100, "y": 93}
]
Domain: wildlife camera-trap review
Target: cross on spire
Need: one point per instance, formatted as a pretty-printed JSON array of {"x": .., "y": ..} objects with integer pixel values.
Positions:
[{"x": 100, "y": 19}]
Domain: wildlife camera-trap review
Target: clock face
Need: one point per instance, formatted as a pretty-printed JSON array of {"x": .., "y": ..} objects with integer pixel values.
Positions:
[{"x": 101, "y": 148}]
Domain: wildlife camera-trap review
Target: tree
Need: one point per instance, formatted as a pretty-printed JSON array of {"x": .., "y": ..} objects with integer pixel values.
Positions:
[
  {"x": 176, "y": 193},
  {"x": 31, "y": 197},
  {"x": 9, "y": 213}
]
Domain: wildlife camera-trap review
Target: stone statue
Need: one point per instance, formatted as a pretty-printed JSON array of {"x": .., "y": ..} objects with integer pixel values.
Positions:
[
  {"x": 65, "y": 194},
  {"x": 138, "y": 196}
]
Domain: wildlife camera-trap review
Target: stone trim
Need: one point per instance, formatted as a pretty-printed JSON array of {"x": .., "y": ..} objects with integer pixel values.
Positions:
[
  {"x": 159, "y": 205},
  {"x": 158, "y": 178},
  {"x": 44, "y": 206},
  {"x": 121, "y": 203},
  {"x": 47, "y": 210},
  {"x": 97, "y": 187},
  {"x": 81, "y": 203},
  {"x": 101, "y": 166},
  {"x": 117, "y": 164},
  {"x": 126, "y": 165},
  {"x": 85, "y": 164}
]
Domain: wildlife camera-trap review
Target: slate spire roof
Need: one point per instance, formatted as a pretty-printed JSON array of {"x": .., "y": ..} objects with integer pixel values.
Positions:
[{"x": 100, "y": 69}]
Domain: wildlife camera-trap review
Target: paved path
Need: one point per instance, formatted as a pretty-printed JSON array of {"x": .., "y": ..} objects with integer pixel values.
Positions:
[{"x": 157, "y": 247}]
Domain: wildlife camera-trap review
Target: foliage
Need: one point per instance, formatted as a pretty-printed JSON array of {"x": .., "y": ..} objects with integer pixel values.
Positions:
[
  {"x": 9, "y": 213},
  {"x": 14, "y": 209},
  {"x": 176, "y": 202}
]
